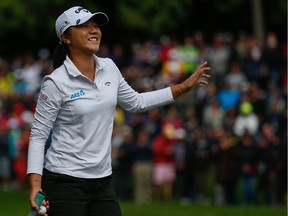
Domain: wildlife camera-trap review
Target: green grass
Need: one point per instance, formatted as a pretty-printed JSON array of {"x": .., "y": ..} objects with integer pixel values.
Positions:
[
  {"x": 16, "y": 204},
  {"x": 174, "y": 209}
]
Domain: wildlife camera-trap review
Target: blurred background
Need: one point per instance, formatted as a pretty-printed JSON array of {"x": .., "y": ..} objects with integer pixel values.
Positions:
[{"x": 222, "y": 144}]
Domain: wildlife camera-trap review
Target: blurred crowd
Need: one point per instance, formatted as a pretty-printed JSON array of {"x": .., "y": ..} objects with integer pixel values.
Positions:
[{"x": 225, "y": 143}]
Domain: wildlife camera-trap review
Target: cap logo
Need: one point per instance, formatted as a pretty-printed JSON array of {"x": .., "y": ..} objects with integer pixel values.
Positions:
[
  {"x": 64, "y": 25},
  {"x": 81, "y": 9}
]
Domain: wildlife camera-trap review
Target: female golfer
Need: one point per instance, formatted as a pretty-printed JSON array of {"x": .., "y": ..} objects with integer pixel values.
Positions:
[{"x": 76, "y": 107}]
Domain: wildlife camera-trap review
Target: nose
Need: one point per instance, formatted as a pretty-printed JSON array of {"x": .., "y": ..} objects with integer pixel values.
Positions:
[{"x": 93, "y": 28}]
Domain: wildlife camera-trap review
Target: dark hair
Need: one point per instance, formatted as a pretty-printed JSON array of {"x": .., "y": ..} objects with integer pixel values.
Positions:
[
  {"x": 60, "y": 52},
  {"x": 59, "y": 55}
]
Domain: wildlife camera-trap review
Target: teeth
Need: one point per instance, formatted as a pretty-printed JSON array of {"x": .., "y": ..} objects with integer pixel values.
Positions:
[{"x": 92, "y": 39}]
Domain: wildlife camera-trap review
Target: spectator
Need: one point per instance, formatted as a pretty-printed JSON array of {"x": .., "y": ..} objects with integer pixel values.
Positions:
[
  {"x": 228, "y": 98},
  {"x": 180, "y": 165},
  {"x": 7, "y": 79},
  {"x": 246, "y": 160},
  {"x": 213, "y": 116},
  {"x": 124, "y": 166},
  {"x": 246, "y": 120},
  {"x": 229, "y": 119},
  {"x": 252, "y": 61},
  {"x": 235, "y": 77},
  {"x": 142, "y": 168},
  {"x": 219, "y": 57},
  {"x": 258, "y": 100},
  {"x": 226, "y": 173},
  {"x": 264, "y": 163},
  {"x": 164, "y": 172},
  {"x": 188, "y": 54},
  {"x": 20, "y": 162},
  {"x": 272, "y": 56},
  {"x": 5, "y": 163},
  {"x": 278, "y": 171},
  {"x": 200, "y": 166},
  {"x": 30, "y": 75}
]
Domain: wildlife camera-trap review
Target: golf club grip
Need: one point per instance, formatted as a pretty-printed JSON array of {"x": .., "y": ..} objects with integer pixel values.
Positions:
[{"x": 38, "y": 200}]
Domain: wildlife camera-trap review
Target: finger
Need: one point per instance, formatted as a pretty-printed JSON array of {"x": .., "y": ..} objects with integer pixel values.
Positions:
[
  {"x": 46, "y": 204},
  {"x": 32, "y": 202},
  {"x": 206, "y": 75},
  {"x": 206, "y": 68},
  {"x": 202, "y": 65},
  {"x": 202, "y": 82},
  {"x": 34, "y": 205}
]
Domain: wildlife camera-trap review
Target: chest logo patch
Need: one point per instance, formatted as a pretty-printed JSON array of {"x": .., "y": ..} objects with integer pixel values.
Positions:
[{"x": 77, "y": 94}]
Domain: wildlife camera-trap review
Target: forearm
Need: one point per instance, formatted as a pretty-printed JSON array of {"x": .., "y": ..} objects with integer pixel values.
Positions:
[
  {"x": 35, "y": 181},
  {"x": 178, "y": 90}
]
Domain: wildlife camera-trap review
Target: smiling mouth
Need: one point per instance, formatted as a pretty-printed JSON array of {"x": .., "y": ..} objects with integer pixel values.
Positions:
[{"x": 93, "y": 39}]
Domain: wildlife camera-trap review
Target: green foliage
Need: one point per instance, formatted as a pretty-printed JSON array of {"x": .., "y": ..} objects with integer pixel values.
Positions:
[
  {"x": 151, "y": 15},
  {"x": 275, "y": 13},
  {"x": 30, "y": 25},
  {"x": 12, "y": 15},
  {"x": 226, "y": 6}
]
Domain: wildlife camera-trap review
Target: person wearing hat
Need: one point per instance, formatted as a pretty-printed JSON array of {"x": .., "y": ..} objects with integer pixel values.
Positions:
[{"x": 76, "y": 105}]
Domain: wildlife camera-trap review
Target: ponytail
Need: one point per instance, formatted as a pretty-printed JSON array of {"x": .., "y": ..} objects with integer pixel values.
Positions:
[{"x": 59, "y": 55}]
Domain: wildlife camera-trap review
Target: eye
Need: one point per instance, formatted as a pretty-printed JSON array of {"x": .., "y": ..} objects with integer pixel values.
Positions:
[
  {"x": 93, "y": 23},
  {"x": 81, "y": 26}
]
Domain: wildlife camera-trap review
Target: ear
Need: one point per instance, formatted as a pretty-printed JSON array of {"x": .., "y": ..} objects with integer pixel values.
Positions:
[{"x": 65, "y": 39}]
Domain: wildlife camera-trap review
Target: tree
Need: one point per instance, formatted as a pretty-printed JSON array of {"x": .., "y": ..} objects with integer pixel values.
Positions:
[{"x": 30, "y": 25}]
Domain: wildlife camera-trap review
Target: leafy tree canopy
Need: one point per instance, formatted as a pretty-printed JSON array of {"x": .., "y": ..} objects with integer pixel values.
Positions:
[{"x": 29, "y": 25}]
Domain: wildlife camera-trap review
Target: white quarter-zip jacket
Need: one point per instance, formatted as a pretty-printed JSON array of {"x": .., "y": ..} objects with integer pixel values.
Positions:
[{"x": 80, "y": 115}]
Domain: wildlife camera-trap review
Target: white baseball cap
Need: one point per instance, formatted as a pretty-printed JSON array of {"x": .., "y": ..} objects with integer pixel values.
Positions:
[{"x": 78, "y": 15}]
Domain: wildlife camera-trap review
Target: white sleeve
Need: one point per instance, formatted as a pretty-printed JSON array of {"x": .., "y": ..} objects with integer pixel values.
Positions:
[
  {"x": 133, "y": 101},
  {"x": 48, "y": 106}
]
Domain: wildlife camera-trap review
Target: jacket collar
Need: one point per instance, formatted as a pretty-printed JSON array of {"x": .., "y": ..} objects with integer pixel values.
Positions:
[{"x": 73, "y": 70}]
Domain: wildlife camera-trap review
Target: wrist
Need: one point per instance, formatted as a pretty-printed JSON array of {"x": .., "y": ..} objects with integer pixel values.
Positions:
[
  {"x": 179, "y": 89},
  {"x": 35, "y": 180},
  {"x": 182, "y": 87}
]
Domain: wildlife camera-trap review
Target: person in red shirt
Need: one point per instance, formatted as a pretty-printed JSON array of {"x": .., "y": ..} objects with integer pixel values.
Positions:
[{"x": 164, "y": 171}]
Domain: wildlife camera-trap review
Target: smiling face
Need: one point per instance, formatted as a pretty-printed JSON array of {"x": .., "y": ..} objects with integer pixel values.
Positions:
[{"x": 84, "y": 38}]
